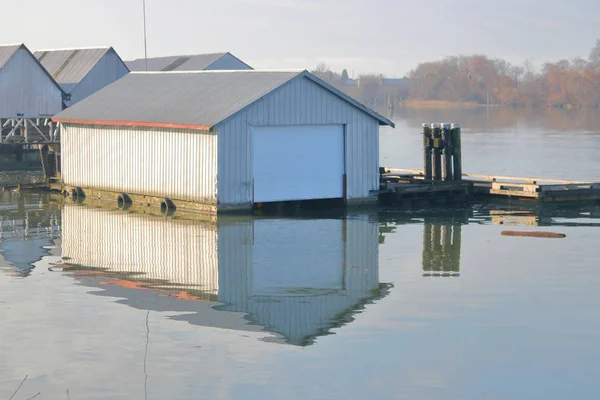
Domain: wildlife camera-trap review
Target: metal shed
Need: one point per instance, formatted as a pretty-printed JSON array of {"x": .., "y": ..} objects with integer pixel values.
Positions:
[
  {"x": 82, "y": 71},
  {"x": 198, "y": 62},
  {"x": 226, "y": 139},
  {"x": 27, "y": 90}
]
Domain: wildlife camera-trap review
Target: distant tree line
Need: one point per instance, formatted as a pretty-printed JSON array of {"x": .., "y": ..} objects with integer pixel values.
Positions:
[{"x": 481, "y": 80}]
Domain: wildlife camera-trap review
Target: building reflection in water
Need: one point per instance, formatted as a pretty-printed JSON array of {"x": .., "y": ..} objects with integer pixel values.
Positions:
[
  {"x": 294, "y": 278},
  {"x": 29, "y": 230}
]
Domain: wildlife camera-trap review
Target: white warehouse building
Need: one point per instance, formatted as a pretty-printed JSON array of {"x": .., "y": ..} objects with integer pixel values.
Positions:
[
  {"x": 26, "y": 88},
  {"x": 82, "y": 71},
  {"x": 225, "y": 139}
]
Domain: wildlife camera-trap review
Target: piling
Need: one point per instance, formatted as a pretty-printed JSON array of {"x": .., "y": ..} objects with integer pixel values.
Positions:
[
  {"x": 455, "y": 136},
  {"x": 447, "y": 155},
  {"x": 437, "y": 152},
  {"x": 427, "y": 148},
  {"x": 44, "y": 150}
]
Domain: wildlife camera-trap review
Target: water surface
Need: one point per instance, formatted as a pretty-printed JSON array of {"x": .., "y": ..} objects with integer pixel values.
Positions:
[{"x": 383, "y": 304}]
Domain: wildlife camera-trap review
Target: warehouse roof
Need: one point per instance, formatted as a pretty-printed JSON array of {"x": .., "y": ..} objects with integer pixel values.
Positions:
[
  {"x": 196, "y": 62},
  {"x": 70, "y": 66},
  {"x": 7, "y": 51},
  {"x": 192, "y": 100}
]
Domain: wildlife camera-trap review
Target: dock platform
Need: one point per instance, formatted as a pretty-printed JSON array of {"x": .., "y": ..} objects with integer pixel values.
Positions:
[{"x": 488, "y": 187}]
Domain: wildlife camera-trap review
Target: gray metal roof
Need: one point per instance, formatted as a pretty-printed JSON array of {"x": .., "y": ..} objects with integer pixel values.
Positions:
[
  {"x": 196, "y": 62},
  {"x": 6, "y": 52},
  {"x": 197, "y": 100},
  {"x": 69, "y": 67}
]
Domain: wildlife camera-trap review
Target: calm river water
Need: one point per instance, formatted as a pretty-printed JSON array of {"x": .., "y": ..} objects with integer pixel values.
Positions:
[{"x": 381, "y": 304}]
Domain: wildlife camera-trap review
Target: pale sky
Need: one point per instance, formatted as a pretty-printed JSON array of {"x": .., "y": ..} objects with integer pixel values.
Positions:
[{"x": 386, "y": 36}]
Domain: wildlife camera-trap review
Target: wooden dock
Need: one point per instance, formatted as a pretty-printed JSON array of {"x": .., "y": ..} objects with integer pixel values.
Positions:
[{"x": 405, "y": 182}]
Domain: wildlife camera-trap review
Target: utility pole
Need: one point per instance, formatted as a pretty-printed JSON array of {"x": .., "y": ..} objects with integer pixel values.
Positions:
[{"x": 145, "y": 45}]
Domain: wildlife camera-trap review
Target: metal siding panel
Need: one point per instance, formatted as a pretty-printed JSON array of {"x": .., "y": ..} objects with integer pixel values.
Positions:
[
  {"x": 302, "y": 96},
  {"x": 108, "y": 69},
  {"x": 25, "y": 88},
  {"x": 227, "y": 62},
  {"x": 141, "y": 161},
  {"x": 181, "y": 253}
]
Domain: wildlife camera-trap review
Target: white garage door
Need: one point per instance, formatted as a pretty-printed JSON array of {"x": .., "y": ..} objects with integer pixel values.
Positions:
[{"x": 298, "y": 162}]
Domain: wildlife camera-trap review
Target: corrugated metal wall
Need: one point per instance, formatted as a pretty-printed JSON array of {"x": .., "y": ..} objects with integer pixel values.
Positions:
[
  {"x": 106, "y": 71},
  {"x": 176, "y": 163},
  {"x": 227, "y": 62},
  {"x": 303, "y": 313},
  {"x": 183, "y": 253},
  {"x": 25, "y": 88},
  {"x": 299, "y": 102}
]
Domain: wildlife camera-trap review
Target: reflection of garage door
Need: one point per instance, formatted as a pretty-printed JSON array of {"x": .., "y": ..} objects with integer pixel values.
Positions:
[
  {"x": 298, "y": 162},
  {"x": 295, "y": 256}
]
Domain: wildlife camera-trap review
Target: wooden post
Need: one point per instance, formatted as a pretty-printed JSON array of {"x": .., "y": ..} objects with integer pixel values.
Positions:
[
  {"x": 437, "y": 152},
  {"x": 457, "y": 151},
  {"x": 427, "y": 145},
  {"x": 447, "y": 157},
  {"x": 44, "y": 160}
]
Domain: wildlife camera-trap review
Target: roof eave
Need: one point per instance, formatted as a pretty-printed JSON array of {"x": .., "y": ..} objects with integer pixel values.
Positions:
[
  {"x": 143, "y": 124},
  {"x": 383, "y": 121}
]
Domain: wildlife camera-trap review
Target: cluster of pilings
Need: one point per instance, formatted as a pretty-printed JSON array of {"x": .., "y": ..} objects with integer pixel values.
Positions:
[{"x": 442, "y": 152}]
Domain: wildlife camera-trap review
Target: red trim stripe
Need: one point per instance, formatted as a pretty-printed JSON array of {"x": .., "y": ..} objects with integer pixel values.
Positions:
[{"x": 133, "y": 123}]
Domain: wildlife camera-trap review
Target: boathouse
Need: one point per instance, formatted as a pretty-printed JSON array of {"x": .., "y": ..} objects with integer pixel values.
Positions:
[
  {"x": 199, "y": 62},
  {"x": 225, "y": 139},
  {"x": 82, "y": 71},
  {"x": 27, "y": 90}
]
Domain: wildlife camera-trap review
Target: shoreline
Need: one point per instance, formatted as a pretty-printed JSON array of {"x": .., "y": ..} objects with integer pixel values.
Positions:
[{"x": 444, "y": 104}]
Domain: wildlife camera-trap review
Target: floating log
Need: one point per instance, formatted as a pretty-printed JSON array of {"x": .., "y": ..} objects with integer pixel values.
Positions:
[{"x": 551, "y": 235}]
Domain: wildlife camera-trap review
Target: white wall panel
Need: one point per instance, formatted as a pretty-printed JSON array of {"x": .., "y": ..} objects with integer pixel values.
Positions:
[
  {"x": 176, "y": 163},
  {"x": 26, "y": 89}
]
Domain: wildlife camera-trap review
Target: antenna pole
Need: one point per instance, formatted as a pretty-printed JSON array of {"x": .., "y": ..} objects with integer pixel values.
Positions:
[{"x": 145, "y": 45}]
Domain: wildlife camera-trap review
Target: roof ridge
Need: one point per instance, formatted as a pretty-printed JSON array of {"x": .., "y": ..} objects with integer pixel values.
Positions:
[
  {"x": 218, "y": 71},
  {"x": 75, "y": 48}
]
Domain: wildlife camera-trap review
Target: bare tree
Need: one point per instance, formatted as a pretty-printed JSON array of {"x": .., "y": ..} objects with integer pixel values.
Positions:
[{"x": 594, "y": 57}]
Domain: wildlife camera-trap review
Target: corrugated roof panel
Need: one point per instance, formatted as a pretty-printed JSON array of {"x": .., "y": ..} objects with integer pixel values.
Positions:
[
  {"x": 192, "y": 99},
  {"x": 199, "y": 62},
  {"x": 72, "y": 65},
  {"x": 196, "y": 62},
  {"x": 154, "y": 64},
  {"x": 6, "y": 52}
]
